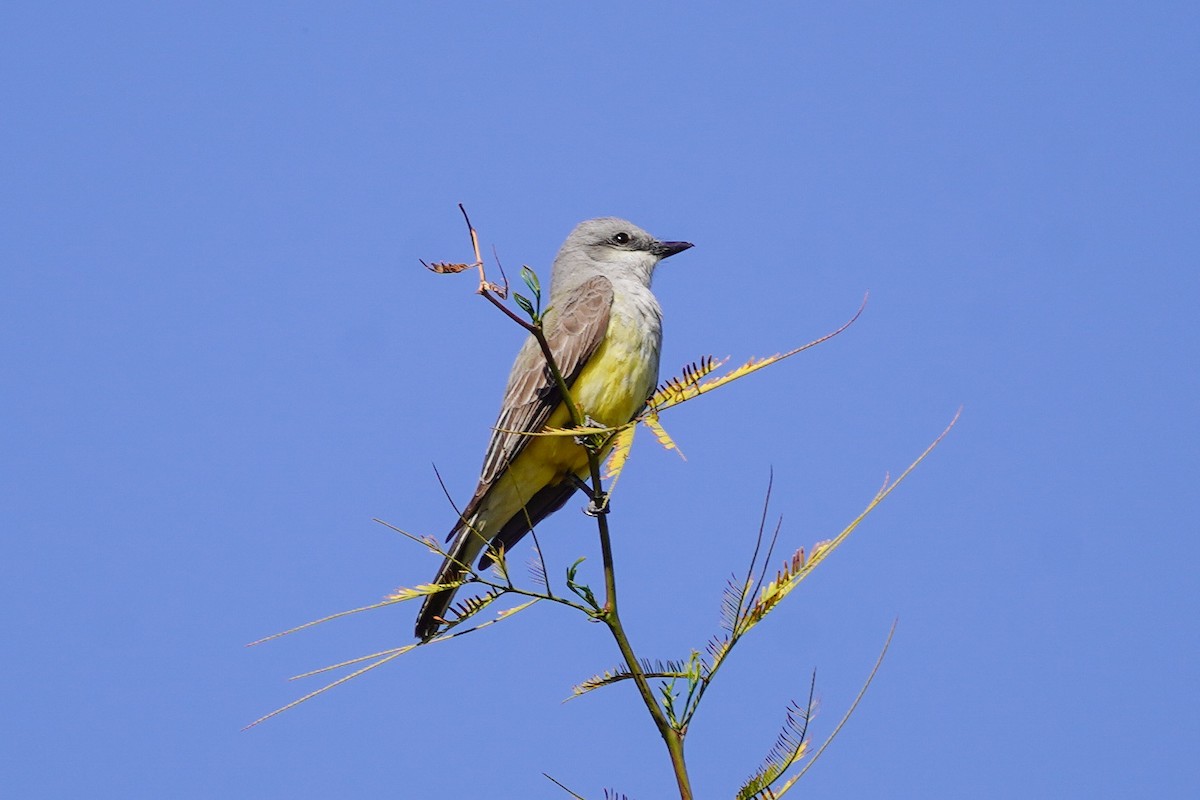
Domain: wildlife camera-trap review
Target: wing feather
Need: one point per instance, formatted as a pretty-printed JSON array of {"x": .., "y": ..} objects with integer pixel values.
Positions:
[{"x": 577, "y": 328}]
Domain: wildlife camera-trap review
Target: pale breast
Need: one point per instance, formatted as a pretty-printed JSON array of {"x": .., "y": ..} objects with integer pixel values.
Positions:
[{"x": 624, "y": 369}]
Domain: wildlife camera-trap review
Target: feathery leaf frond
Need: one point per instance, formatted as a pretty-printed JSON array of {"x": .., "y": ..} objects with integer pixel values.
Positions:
[
  {"x": 621, "y": 445},
  {"x": 650, "y": 420},
  {"x": 499, "y": 558},
  {"x": 676, "y": 389},
  {"x": 733, "y": 598},
  {"x": 349, "y": 662},
  {"x": 570, "y": 430},
  {"x": 389, "y": 601},
  {"x": 427, "y": 541},
  {"x": 470, "y": 606},
  {"x": 509, "y": 612},
  {"x": 801, "y": 565},
  {"x": 786, "y": 579},
  {"x": 399, "y": 651},
  {"x": 845, "y": 718},
  {"x": 789, "y": 747},
  {"x": 387, "y": 655},
  {"x": 421, "y": 590},
  {"x": 694, "y": 389},
  {"x": 537, "y": 571},
  {"x": 717, "y": 648},
  {"x": 651, "y": 669}
]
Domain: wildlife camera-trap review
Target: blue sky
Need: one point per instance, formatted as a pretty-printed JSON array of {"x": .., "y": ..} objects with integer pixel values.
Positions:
[{"x": 221, "y": 360}]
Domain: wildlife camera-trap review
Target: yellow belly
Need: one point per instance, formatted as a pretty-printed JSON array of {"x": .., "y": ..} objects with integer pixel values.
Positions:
[
  {"x": 612, "y": 388},
  {"x": 618, "y": 377}
]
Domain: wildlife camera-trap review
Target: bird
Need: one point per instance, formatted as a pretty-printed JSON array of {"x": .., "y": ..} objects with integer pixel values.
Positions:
[{"x": 604, "y": 329}]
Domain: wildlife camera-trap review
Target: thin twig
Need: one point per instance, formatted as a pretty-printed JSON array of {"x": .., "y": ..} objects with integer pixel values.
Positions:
[
  {"x": 537, "y": 545},
  {"x": 846, "y": 718},
  {"x": 559, "y": 785},
  {"x": 446, "y": 491},
  {"x": 611, "y": 618}
]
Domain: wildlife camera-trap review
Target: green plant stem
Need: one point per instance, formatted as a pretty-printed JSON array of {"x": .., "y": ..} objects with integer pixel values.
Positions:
[
  {"x": 548, "y": 596},
  {"x": 671, "y": 737},
  {"x": 611, "y": 618}
]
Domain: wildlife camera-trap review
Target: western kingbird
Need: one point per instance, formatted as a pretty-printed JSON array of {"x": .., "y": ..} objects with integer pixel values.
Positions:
[{"x": 604, "y": 327}]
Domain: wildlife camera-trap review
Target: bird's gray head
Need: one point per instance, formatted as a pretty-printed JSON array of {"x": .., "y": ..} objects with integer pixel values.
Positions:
[{"x": 613, "y": 247}]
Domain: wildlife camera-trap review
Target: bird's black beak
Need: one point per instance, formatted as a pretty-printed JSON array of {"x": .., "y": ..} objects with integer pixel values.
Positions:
[{"x": 668, "y": 249}]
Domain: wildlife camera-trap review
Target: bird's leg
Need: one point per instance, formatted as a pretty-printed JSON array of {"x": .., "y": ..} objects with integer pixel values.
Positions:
[
  {"x": 579, "y": 483},
  {"x": 592, "y": 443},
  {"x": 598, "y": 504}
]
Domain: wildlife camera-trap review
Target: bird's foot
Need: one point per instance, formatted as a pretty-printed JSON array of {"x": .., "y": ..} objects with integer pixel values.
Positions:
[
  {"x": 597, "y": 506},
  {"x": 597, "y": 503}
]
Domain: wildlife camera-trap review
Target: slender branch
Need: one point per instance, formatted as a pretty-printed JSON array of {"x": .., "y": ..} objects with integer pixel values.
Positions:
[
  {"x": 845, "y": 717},
  {"x": 486, "y": 288},
  {"x": 738, "y": 630},
  {"x": 762, "y": 526},
  {"x": 491, "y": 298},
  {"x": 541, "y": 559},
  {"x": 671, "y": 737},
  {"x": 553, "y": 598},
  {"x": 559, "y": 784},
  {"x": 609, "y": 615}
]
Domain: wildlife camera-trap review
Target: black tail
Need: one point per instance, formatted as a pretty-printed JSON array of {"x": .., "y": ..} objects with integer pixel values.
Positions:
[
  {"x": 434, "y": 608},
  {"x": 468, "y": 544},
  {"x": 465, "y": 546}
]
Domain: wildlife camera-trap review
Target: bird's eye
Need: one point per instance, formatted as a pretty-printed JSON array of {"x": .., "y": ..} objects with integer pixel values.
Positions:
[{"x": 621, "y": 238}]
